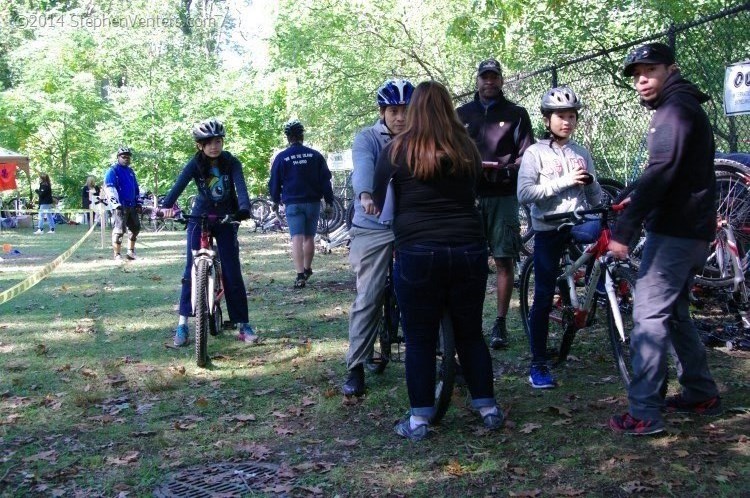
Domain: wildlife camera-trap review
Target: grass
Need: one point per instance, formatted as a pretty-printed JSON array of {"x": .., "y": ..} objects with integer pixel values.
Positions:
[{"x": 94, "y": 402}]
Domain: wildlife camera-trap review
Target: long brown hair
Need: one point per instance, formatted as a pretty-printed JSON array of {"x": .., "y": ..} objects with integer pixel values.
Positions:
[
  {"x": 433, "y": 133},
  {"x": 44, "y": 178}
]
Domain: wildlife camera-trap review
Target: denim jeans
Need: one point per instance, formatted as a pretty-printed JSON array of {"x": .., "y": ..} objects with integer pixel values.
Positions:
[
  {"x": 46, "y": 211},
  {"x": 431, "y": 279},
  {"x": 229, "y": 254},
  {"x": 548, "y": 249}
]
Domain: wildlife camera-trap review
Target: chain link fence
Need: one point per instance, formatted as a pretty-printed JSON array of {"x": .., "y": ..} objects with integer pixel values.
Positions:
[{"x": 613, "y": 124}]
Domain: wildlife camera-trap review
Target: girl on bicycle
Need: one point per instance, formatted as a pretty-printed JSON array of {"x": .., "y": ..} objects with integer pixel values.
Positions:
[
  {"x": 556, "y": 176},
  {"x": 221, "y": 190}
]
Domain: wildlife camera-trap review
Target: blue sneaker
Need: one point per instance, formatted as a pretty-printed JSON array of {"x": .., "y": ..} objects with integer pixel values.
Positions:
[
  {"x": 247, "y": 334},
  {"x": 181, "y": 335},
  {"x": 403, "y": 429},
  {"x": 541, "y": 378}
]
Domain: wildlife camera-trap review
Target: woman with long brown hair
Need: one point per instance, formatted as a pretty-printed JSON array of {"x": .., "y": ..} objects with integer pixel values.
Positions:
[
  {"x": 46, "y": 204},
  {"x": 441, "y": 252}
]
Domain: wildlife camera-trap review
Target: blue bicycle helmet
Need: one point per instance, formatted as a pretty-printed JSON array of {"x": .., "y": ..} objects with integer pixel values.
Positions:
[
  {"x": 294, "y": 128},
  {"x": 395, "y": 92}
]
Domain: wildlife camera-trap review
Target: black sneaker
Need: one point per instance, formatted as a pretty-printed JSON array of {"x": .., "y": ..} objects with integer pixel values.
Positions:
[
  {"x": 299, "y": 282},
  {"x": 499, "y": 338},
  {"x": 355, "y": 382},
  {"x": 308, "y": 273}
]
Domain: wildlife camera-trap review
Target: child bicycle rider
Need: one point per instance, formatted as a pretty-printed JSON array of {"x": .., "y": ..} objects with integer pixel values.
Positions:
[
  {"x": 221, "y": 190},
  {"x": 556, "y": 176}
]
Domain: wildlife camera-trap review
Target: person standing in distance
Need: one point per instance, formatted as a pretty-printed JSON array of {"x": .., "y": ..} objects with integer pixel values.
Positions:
[
  {"x": 371, "y": 245},
  {"x": 502, "y": 132},
  {"x": 300, "y": 178},
  {"x": 122, "y": 198},
  {"x": 676, "y": 198}
]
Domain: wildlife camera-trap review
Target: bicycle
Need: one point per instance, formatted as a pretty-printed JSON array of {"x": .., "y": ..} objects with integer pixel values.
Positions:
[
  {"x": 207, "y": 285},
  {"x": 575, "y": 299},
  {"x": 388, "y": 336}
]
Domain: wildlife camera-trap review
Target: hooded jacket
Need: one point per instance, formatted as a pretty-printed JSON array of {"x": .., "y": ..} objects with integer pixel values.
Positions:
[
  {"x": 502, "y": 132},
  {"x": 365, "y": 152},
  {"x": 676, "y": 194}
]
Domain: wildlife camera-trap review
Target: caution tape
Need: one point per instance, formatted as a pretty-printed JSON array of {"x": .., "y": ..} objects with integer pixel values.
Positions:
[{"x": 34, "y": 279}]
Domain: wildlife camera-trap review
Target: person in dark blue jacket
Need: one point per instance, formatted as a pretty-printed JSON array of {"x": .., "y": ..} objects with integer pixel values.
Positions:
[
  {"x": 221, "y": 191},
  {"x": 299, "y": 179},
  {"x": 123, "y": 199}
]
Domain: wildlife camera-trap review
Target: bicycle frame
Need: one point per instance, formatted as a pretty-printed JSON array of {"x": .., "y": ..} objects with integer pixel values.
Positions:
[
  {"x": 602, "y": 268},
  {"x": 207, "y": 252}
]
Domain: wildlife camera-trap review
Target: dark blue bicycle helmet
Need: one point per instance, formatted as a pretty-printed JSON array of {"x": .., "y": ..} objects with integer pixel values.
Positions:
[
  {"x": 294, "y": 128},
  {"x": 395, "y": 92}
]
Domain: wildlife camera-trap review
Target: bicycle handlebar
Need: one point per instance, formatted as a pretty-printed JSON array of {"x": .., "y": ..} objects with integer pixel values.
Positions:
[
  {"x": 578, "y": 214},
  {"x": 211, "y": 218}
]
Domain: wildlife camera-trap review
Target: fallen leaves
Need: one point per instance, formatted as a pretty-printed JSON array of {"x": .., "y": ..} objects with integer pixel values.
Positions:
[
  {"x": 530, "y": 427},
  {"x": 531, "y": 493},
  {"x": 126, "y": 459},
  {"x": 47, "y": 456}
]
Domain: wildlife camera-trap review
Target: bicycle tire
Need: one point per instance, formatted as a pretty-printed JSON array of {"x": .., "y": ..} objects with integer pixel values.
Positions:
[
  {"x": 216, "y": 322},
  {"x": 624, "y": 280},
  {"x": 202, "y": 313},
  {"x": 327, "y": 224},
  {"x": 445, "y": 370},
  {"x": 386, "y": 330},
  {"x": 558, "y": 314},
  {"x": 260, "y": 210}
]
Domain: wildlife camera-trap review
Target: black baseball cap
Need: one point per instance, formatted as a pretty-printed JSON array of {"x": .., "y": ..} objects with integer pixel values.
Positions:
[
  {"x": 489, "y": 65},
  {"x": 650, "y": 53}
]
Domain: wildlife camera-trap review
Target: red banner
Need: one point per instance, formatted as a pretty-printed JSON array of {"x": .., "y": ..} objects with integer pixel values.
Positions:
[{"x": 7, "y": 176}]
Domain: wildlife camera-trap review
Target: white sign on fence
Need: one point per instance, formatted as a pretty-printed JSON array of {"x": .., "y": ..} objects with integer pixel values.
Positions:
[{"x": 737, "y": 89}]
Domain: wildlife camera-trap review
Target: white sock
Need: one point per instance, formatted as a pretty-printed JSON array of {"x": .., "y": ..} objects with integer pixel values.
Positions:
[
  {"x": 183, "y": 320},
  {"x": 415, "y": 421},
  {"x": 488, "y": 410}
]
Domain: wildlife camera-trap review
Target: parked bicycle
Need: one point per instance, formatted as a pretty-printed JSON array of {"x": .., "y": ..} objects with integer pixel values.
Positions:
[
  {"x": 576, "y": 297},
  {"x": 207, "y": 291}
]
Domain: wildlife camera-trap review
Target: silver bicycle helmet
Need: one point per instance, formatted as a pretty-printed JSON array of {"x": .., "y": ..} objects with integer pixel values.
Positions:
[
  {"x": 560, "y": 98},
  {"x": 209, "y": 128},
  {"x": 124, "y": 151}
]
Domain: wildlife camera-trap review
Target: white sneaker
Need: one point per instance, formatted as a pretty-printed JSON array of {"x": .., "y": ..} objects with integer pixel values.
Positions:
[
  {"x": 51, "y": 231},
  {"x": 130, "y": 255},
  {"x": 118, "y": 258},
  {"x": 38, "y": 231}
]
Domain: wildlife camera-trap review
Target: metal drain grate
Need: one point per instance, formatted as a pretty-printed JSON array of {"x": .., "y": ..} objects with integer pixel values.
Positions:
[{"x": 224, "y": 479}]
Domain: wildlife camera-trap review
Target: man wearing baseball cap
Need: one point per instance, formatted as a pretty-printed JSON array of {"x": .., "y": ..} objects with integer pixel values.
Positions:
[
  {"x": 675, "y": 198},
  {"x": 502, "y": 132}
]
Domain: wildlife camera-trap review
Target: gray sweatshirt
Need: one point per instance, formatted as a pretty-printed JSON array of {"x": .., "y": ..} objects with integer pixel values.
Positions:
[
  {"x": 365, "y": 151},
  {"x": 544, "y": 181}
]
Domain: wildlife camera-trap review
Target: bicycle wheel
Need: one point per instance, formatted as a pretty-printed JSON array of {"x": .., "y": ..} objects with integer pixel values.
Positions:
[
  {"x": 624, "y": 283},
  {"x": 387, "y": 332},
  {"x": 527, "y": 233},
  {"x": 327, "y": 224},
  {"x": 445, "y": 372},
  {"x": 202, "y": 313}
]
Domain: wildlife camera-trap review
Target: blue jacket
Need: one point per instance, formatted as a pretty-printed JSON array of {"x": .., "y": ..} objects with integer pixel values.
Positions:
[
  {"x": 122, "y": 186},
  {"x": 300, "y": 175},
  {"x": 365, "y": 151},
  {"x": 221, "y": 189}
]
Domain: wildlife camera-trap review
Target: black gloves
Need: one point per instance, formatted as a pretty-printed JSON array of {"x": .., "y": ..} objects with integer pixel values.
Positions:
[{"x": 242, "y": 214}]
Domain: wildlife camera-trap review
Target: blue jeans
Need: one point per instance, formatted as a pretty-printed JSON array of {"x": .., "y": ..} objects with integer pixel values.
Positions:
[
  {"x": 431, "y": 279},
  {"x": 229, "y": 254},
  {"x": 548, "y": 249},
  {"x": 303, "y": 218},
  {"x": 662, "y": 316},
  {"x": 45, "y": 211}
]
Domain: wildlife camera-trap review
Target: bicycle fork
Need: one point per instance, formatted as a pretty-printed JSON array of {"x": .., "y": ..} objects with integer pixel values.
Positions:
[{"x": 198, "y": 256}]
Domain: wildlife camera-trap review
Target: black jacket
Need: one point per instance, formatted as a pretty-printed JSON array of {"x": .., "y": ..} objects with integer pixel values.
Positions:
[
  {"x": 45, "y": 193},
  {"x": 677, "y": 191},
  {"x": 502, "y": 132}
]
